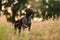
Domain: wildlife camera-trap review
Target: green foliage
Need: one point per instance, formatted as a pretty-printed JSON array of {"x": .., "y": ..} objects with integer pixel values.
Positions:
[
  {"x": 38, "y": 15},
  {"x": 52, "y": 10}
]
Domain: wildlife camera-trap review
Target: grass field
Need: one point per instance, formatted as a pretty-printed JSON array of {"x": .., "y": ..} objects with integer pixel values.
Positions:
[
  {"x": 3, "y": 32},
  {"x": 46, "y": 30}
]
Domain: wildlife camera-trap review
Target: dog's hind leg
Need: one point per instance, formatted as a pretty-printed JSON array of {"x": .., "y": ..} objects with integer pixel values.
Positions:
[{"x": 19, "y": 29}]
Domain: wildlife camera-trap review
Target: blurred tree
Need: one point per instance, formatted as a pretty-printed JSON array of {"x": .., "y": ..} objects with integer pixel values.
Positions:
[
  {"x": 0, "y": 4},
  {"x": 45, "y": 8},
  {"x": 18, "y": 6},
  {"x": 54, "y": 8}
]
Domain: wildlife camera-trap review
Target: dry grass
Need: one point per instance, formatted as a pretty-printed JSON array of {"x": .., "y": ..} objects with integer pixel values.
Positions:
[{"x": 46, "y": 30}]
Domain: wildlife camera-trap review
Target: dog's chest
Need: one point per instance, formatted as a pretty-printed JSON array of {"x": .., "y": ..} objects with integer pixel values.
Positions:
[{"x": 26, "y": 21}]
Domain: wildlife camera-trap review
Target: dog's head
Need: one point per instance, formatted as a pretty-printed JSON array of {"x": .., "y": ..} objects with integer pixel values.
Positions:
[{"x": 29, "y": 12}]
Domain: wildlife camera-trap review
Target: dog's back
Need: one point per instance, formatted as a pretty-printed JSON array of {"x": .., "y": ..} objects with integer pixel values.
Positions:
[{"x": 18, "y": 23}]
